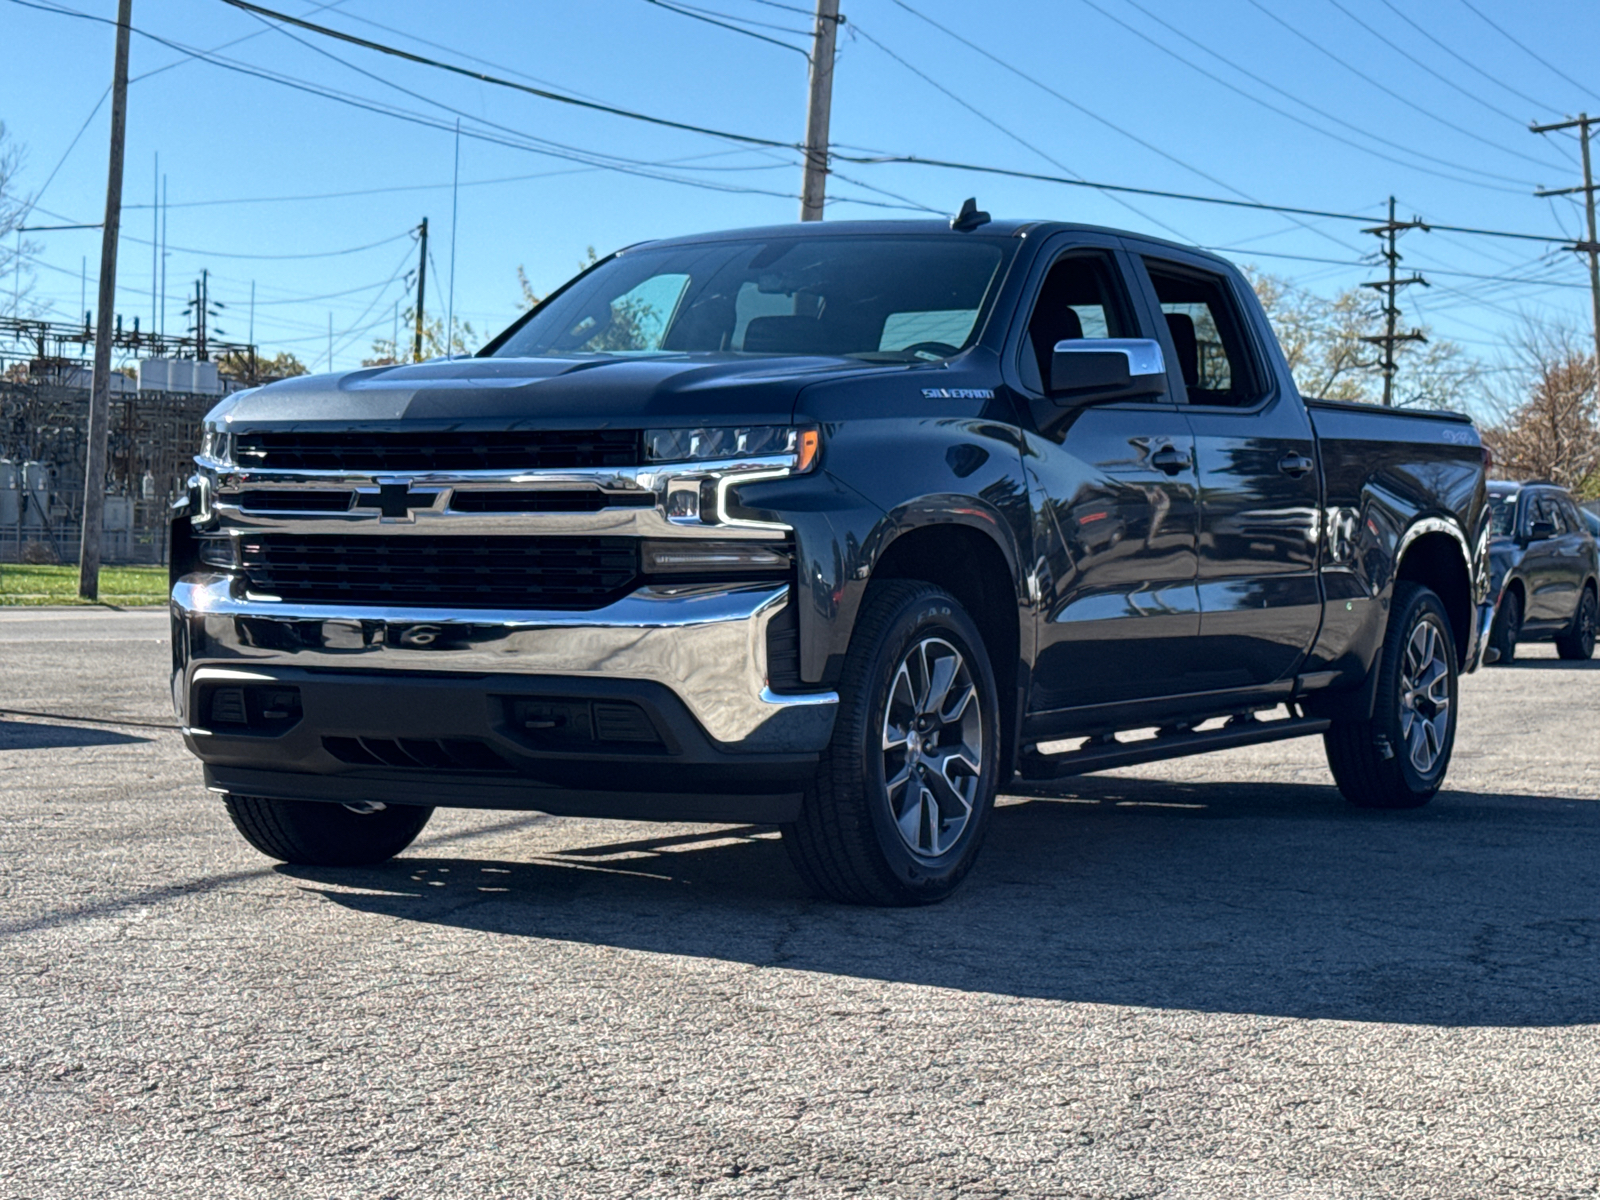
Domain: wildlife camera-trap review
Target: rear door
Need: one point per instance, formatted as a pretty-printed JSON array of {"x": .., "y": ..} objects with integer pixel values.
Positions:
[
  {"x": 1260, "y": 595},
  {"x": 1551, "y": 568},
  {"x": 1113, "y": 494}
]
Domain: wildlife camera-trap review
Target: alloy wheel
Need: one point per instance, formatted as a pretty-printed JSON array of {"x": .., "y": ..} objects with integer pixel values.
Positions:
[
  {"x": 1425, "y": 695},
  {"x": 932, "y": 747}
]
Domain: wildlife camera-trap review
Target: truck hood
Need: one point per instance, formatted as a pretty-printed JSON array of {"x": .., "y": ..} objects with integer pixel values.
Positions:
[{"x": 593, "y": 393}]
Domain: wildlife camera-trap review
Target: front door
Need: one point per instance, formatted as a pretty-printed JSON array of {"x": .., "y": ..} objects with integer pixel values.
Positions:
[{"x": 1114, "y": 505}]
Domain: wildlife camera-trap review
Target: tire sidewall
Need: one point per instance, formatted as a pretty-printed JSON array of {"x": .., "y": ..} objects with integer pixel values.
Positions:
[
  {"x": 1508, "y": 629},
  {"x": 1584, "y": 643},
  {"x": 1423, "y": 605},
  {"x": 933, "y": 613}
]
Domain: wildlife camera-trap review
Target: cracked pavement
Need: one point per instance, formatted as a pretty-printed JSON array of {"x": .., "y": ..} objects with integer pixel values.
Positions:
[{"x": 1207, "y": 978}]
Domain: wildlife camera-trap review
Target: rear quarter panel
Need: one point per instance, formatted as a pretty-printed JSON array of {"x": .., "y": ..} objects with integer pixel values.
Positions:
[{"x": 1388, "y": 476}]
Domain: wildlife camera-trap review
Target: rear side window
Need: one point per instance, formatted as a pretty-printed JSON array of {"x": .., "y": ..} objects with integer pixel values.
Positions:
[
  {"x": 1080, "y": 298},
  {"x": 1569, "y": 514},
  {"x": 1207, "y": 334}
]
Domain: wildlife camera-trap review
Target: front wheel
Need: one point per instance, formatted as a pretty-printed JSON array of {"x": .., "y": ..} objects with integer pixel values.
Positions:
[
  {"x": 903, "y": 794},
  {"x": 311, "y": 833},
  {"x": 1577, "y": 643},
  {"x": 1398, "y": 759}
]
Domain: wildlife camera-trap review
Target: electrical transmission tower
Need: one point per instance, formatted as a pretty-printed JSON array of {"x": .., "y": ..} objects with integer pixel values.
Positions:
[
  {"x": 1590, "y": 247},
  {"x": 1391, "y": 337},
  {"x": 203, "y": 310}
]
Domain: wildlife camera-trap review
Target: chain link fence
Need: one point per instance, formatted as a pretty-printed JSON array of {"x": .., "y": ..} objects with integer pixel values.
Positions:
[{"x": 43, "y": 442}]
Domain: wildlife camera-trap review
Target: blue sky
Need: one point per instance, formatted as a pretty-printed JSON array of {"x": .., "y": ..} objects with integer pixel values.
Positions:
[{"x": 1249, "y": 99}]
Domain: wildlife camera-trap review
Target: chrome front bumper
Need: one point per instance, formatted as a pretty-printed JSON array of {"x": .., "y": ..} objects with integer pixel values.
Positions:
[{"x": 706, "y": 643}]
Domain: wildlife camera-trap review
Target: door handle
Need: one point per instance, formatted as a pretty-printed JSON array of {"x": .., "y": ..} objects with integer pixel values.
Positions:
[
  {"x": 1295, "y": 465},
  {"x": 1171, "y": 460}
]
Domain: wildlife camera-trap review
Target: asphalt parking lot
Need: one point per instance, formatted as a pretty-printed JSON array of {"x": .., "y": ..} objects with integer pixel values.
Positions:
[{"x": 1203, "y": 979}]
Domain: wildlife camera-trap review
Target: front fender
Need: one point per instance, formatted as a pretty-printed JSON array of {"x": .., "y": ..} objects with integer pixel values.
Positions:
[{"x": 883, "y": 479}]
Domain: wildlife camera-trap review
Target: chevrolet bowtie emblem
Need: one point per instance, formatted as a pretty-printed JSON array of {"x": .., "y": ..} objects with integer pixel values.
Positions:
[{"x": 396, "y": 500}]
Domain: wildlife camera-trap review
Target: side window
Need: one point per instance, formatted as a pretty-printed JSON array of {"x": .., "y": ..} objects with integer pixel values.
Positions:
[
  {"x": 1544, "y": 508},
  {"x": 1569, "y": 515},
  {"x": 1208, "y": 336},
  {"x": 1081, "y": 297}
]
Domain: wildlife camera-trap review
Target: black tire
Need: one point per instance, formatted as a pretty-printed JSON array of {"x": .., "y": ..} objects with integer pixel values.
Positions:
[
  {"x": 1506, "y": 629},
  {"x": 1577, "y": 643},
  {"x": 311, "y": 833},
  {"x": 848, "y": 844},
  {"x": 1378, "y": 763}
]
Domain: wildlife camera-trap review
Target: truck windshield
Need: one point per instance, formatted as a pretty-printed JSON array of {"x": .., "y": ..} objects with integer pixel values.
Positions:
[{"x": 880, "y": 299}]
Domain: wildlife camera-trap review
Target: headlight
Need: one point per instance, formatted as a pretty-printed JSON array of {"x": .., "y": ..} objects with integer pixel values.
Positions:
[
  {"x": 216, "y": 445},
  {"x": 732, "y": 443}
]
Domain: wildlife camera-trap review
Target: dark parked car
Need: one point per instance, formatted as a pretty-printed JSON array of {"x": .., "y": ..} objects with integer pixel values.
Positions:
[
  {"x": 1543, "y": 568},
  {"x": 835, "y": 527}
]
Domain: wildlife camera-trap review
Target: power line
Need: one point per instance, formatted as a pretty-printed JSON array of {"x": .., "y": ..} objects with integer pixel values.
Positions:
[
  {"x": 1525, "y": 49},
  {"x": 1387, "y": 90},
  {"x": 484, "y": 77},
  {"x": 789, "y": 29},
  {"x": 1407, "y": 162},
  {"x": 1415, "y": 61},
  {"x": 863, "y": 159},
  {"x": 699, "y": 16},
  {"x": 1021, "y": 141},
  {"x": 459, "y": 113},
  {"x": 1495, "y": 79},
  {"x": 524, "y": 142},
  {"x": 917, "y": 160},
  {"x": 1065, "y": 99}
]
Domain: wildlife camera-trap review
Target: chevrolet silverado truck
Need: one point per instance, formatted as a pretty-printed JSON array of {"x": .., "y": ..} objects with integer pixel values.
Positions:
[{"x": 836, "y": 527}]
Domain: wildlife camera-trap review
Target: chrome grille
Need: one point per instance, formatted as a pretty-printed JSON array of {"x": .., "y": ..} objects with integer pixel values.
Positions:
[{"x": 424, "y": 450}]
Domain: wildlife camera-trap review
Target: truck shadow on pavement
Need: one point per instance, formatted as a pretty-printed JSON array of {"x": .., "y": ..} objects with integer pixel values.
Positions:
[
  {"x": 34, "y": 735},
  {"x": 1271, "y": 899}
]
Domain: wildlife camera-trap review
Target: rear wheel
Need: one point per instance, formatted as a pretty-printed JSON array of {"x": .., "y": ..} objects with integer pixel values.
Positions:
[
  {"x": 314, "y": 834},
  {"x": 1398, "y": 759},
  {"x": 1577, "y": 643},
  {"x": 902, "y": 798},
  {"x": 1507, "y": 628}
]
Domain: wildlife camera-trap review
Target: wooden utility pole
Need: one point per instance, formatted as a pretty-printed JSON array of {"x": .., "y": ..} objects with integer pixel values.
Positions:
[
  {"x": 814, "y": 192},
  {"x": 94, "y": 470},
  {"x": 1389, "y": 231},
  {"x": 1590, "y": 247},
  {"x": 422, "y": 286}
]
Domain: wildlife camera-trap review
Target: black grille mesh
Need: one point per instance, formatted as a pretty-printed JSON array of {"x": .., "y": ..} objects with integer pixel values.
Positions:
[
  {"x": 438, "y": 450},
  {"x": 462, "y": 572}
]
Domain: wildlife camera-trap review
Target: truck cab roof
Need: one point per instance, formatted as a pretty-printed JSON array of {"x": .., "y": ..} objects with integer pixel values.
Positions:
[{"x": 1002, "y": 228}]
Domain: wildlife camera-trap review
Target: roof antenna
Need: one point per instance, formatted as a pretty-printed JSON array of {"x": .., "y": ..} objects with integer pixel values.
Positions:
[{"x": 969, "y": 217}]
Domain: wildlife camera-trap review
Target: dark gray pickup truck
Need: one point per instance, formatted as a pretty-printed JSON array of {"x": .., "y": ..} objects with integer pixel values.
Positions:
[{"x": 836, "y": 527}]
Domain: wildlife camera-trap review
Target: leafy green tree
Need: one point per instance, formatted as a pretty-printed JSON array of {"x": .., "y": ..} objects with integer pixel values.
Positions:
[
  {"x": 384, "y": 354},
  {"x": 282, "y": 365}
]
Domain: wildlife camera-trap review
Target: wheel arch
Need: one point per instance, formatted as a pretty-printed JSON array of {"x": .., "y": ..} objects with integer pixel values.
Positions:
[
  {"x": 978, "y": 569},
  {"x": 1434, "y": 553}
]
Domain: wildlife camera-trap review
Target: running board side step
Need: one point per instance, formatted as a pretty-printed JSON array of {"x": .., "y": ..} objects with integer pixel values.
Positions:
[{"x": 1102, "y": 755}]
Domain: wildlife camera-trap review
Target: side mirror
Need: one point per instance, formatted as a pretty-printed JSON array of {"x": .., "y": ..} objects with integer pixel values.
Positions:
[
  {"x": 1541, "y": 531},
  {"x": 1098, "y": 370}
]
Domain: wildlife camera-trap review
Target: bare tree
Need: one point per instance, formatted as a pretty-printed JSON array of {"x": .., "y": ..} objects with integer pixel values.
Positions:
[
  {"x": 1322, "y": 339},
  {"x": 15, "y": 252},
  {"x": 1547, "y": 420}
]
